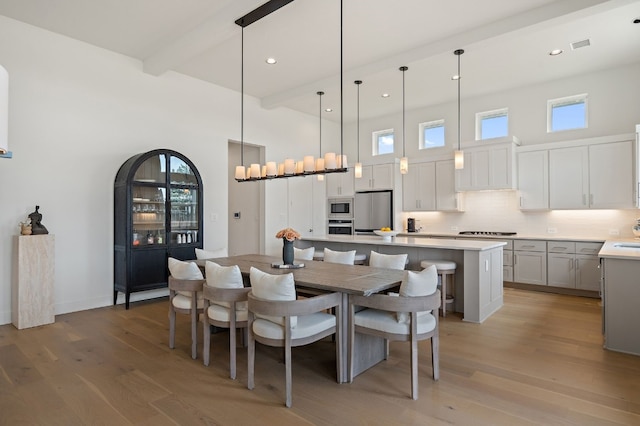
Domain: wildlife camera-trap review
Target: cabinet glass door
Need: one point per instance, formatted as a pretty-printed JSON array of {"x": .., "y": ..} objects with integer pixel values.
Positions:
[
  {"x": 181, "y": 173},
  {"x": 148, "y": 215},
  {"x": 152, "y": 170},
  {"x": 184, "y": 215}
]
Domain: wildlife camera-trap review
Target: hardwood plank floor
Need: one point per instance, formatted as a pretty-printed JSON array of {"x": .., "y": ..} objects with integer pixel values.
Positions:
[{"x": 539, "y": 360}]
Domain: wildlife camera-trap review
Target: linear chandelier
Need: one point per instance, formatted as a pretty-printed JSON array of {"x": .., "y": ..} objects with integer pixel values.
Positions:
[{"x": 330, "y": 163}]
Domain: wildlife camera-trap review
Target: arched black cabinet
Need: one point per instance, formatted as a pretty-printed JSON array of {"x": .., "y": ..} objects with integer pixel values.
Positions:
[{"x": 157, "y": 214}]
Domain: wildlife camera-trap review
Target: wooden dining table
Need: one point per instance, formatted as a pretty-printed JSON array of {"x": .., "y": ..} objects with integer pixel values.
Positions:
[{"x": 319, "y": 277}]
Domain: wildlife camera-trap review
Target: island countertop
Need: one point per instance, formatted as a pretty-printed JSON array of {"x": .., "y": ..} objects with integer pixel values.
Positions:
[
  {"x": 624, "y": 248},
  {"x": 418, "y": 242}
]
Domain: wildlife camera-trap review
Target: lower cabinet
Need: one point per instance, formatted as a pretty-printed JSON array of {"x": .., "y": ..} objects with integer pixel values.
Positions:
[
  {"x": 530, "y": 262},
  {"x": 573, "y": 265},
  {"x": 507, "y": 261}
]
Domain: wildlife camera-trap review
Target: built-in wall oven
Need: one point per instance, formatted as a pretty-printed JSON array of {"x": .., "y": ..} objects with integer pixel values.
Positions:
[
  {"x": 340, "y": 227},
  {"x": 340, "y": 208}
]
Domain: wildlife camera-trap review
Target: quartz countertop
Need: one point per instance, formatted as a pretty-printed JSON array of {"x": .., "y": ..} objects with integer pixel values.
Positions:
[
  {"x": 421, "y": 242},
  {"x": 519, "y": 236},
  {"x": 624, "y": 248}
]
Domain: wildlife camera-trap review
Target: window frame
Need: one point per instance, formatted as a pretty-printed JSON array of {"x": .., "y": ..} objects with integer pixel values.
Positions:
[
  {"x": 564, "y": 101},
  {"x": 431, "y": 125},
  {"x": 375, "y": 137},
  {"x": 491, "y": 114}
]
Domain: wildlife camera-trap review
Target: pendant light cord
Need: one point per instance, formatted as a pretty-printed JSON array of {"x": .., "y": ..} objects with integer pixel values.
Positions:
[
  {"x": 320, "y": 119},
  {"x": 341, "y": 91},
  {"x": 458, "y": 52},
  {"x": 403, "y": 69},
  {"x": 242, "y": 97},
  {"x": 358, "y": 83}
]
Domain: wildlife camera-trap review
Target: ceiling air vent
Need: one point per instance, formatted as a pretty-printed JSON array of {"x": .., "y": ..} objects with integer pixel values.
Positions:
[{"x": 578, "y": 44}]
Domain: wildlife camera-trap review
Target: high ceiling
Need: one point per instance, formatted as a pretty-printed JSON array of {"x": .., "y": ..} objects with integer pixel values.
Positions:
[{"x": 506, "y": 44}]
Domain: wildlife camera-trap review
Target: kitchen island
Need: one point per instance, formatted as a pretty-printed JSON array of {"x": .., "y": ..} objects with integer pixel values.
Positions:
[
  {"x": 478, "y": 278},
  {"x": 620, "y": 295}
]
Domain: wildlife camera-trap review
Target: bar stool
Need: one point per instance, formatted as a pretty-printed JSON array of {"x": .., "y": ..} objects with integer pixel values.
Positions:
[{"x": 445, "y": 268}]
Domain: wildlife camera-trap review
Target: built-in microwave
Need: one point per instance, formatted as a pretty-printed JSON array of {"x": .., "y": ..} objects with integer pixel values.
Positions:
[
  {"x": 340, "y": 208},
  {"x": 340, "y": 227}
]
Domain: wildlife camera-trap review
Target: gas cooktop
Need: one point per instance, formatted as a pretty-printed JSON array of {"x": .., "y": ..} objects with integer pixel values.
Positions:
[{"x": 494, "y": 233}]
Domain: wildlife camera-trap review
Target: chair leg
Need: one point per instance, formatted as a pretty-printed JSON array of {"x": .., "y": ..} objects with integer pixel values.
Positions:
[
  {"x": 172, "y": 326},
  {"x": 386, "y": 349},
  {"x": 251, "y": 357},
  {"x": 206, "y": 341},
  {"x": 351, "y": 343},
  {"x": 435, "y": 357},
  {"x": 414, "y": 368},
  {"x": 194, "y": 328},
  {"x": 232, "y": 351},
  {"x": 287, "y": 362}
]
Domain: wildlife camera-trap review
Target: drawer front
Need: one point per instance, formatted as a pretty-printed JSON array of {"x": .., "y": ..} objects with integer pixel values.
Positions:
[
  {"x": 588, "y": 248},
  {"x": 507, "y": 258},
  {"x": 561, "y": 247},
  {"x": 509, "y": 245},
  {"x": 530, "y": 245}
]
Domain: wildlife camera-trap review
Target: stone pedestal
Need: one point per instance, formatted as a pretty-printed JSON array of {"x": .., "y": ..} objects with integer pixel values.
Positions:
[{"x": 32, "y": 285}]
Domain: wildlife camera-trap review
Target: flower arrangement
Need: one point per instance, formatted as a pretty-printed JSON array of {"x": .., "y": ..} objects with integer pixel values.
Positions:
[{"x": 288, "y": 234}]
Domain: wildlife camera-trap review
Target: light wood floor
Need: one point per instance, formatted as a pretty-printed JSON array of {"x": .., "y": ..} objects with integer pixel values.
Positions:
[{"x": 539, "y": 360}]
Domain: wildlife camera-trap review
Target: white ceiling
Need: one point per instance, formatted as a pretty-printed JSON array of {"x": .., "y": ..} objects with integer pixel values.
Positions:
[{"x": 506, "y": 44}]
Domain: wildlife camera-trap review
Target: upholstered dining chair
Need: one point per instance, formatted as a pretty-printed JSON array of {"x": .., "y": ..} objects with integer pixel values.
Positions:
[
  {"x": 345, "y": 257},
  {"x": 225, "y": 305},
  {"x": 185, "y": 297},
  {"x": 303, "y": 254},
  {"x": 211, "y": 254},
  {"x": 389, "y": 261},
  {"x": 277, "y": 319},
  {"x": 404, "y": 317}
]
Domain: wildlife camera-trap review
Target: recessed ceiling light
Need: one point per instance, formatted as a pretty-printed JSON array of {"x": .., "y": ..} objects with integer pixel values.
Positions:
[
  {"x": 328, "y": 110},
  {"x": 385, "y": 95},
  {"x": 271, "y": 61},
  {"x": 556, "y": 52},
  {"x": 455, "y": 77}
]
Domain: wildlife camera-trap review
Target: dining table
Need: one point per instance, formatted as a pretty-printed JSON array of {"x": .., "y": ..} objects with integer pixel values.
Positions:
[{"x": 317, "y": 277}]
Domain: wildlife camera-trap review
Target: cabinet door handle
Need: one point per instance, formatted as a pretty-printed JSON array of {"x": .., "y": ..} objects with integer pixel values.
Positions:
[
  {"x": 577, "y": 264},
  {"x": 520, "y": 201},
  {"x": 584, "y": 199},
  {"x": 591, "y": 199},
  {"x": 558, "y": 248},
  {"x": 528, "y": 246}
]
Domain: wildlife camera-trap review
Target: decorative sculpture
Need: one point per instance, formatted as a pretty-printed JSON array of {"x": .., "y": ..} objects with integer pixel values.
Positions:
[{"x": 37, "y": 228}]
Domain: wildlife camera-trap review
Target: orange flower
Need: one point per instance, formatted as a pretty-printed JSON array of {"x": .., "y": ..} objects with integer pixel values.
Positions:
[{"x": 289, "y": 234}]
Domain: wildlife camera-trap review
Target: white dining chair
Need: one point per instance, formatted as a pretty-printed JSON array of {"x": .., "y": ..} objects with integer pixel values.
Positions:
[
  {"x": 211, "y": 254},
  {"x": 277, "y": 319},
  {"x": 185, "y": 297},
  {"x": 404, "y": 317},
  {"x": 225, "y": 306},
  {"x": 344, "y": 257},
  {"x": 303, "y": 254},
  {"x": 389, "y": 261}
]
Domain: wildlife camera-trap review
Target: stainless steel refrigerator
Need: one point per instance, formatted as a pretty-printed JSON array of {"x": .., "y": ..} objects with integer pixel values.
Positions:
[{"x": 373, "y": 210}]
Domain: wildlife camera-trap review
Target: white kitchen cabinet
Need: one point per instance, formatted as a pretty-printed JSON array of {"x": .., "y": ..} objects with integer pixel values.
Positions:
[
  {"x": 573, "y": 265},
  {"x": 621, "y": 315},
  {"x": 307, "y": 212},
  {"x": 533, "y": 180},
  {"x": 447, "y": 200},
  {"x": 375, "y": 177},
  {"x": 507, "y": 261},
  {"x": 419, "y": 187},
  {"x": 429, "y": 187},
  {"x": 487, "y": 167},
  {"x": 340, "y": 184},
  {"x": 530, "y": 262},
  {"x": 598, "y": 176}
]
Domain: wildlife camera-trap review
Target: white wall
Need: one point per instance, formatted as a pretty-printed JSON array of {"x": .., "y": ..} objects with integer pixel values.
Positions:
[
  {"x": 77, "y": 112},
  {"x": 614, "y": 109}
]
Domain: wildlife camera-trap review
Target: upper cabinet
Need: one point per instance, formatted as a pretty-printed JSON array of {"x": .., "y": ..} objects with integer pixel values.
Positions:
[
  {"x": 533, "y": 180},
  {"x": 599, "y": 176},
  {"x": 430, "y": 187},
  {"x": 340, "y": 184},
  {"x": 488, "y": 167},
  {"x": 375, "y": 177}
]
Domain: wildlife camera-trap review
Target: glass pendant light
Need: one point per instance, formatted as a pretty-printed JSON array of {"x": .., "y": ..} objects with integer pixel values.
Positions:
[
  {"x": 404, "y": 161},
  {"x": 458, "y": 155},
  {"x": 358, "y": 167}
]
